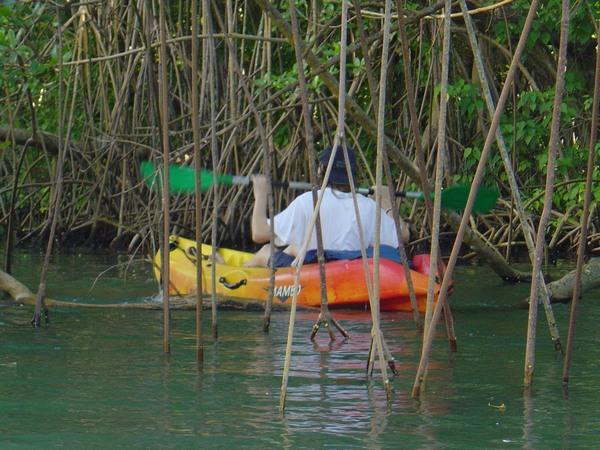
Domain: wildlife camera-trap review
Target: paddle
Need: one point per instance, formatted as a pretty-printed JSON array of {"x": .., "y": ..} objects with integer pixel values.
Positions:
[{"x": 182, "y": 180}]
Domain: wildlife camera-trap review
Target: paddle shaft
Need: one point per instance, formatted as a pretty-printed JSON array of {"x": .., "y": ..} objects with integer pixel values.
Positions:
[{"x": 303, "y": 185}]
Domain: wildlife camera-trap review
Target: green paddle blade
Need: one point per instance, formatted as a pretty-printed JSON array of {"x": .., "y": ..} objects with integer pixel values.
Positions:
[
  {"x": 182, "y": 179},
  {"x": 455, "y": 197}
]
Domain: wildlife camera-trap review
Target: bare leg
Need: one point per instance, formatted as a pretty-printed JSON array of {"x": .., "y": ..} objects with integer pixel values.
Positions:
[{"x": 260, "y": 258}]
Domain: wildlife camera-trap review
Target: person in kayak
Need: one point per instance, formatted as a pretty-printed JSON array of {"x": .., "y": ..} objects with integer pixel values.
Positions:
[{"x": 339, "y": 226}]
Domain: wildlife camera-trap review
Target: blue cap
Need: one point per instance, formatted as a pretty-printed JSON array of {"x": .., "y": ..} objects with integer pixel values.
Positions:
[{"x": 338, "y": 174}]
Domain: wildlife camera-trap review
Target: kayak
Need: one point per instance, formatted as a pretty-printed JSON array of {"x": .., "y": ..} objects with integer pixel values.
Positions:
[{"x": 239, "y": 286}]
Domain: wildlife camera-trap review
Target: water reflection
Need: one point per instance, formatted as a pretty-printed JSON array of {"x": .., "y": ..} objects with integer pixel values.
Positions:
[
  {"x": 329, "y": 392},
  {"x": 98, "y": 377},
  {"x": 529, "y": 439}
]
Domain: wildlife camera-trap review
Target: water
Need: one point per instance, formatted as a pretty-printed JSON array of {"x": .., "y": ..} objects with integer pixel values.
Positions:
[{"x": 99, "y": 378}]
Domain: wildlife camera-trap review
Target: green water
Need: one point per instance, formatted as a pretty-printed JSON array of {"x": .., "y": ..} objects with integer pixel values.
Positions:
[{"x": 99, "y": 378}]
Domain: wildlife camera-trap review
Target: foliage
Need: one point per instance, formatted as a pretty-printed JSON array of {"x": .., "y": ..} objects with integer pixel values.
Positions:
[
  {"x": 25, "y": 64},
  {"x": 114, "y": 110},
  {"x": 525, "y": 124}
]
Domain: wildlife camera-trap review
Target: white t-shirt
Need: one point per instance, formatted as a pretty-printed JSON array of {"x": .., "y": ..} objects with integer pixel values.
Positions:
[{"x": 338, "y": 222}]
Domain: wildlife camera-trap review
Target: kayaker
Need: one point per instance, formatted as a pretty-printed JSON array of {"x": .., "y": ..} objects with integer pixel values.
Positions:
[{"x": 338, "y": 219}]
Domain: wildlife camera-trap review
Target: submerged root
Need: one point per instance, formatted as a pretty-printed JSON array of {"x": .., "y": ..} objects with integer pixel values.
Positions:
[
  {"x": 22, "y": 295},
  {"x": 561, "y": 291}
]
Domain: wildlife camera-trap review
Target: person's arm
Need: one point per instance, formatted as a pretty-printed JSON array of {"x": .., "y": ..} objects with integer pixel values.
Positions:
[
  {"x": 386, "y": 205},
  {"x": 261, "y": 230},
  {"x": 404, "y": 231}
]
